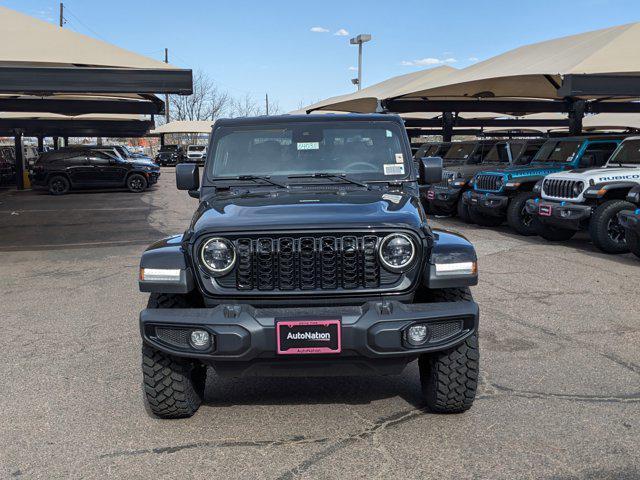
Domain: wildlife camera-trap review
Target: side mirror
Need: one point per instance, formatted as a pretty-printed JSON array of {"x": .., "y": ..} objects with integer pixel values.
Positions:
[
  {"x": 187, "y": 176},
  {"x": 430, "y": 170}
]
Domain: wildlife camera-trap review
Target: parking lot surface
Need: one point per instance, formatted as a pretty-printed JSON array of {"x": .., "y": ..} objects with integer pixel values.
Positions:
[{"x": 560, "y": 366}]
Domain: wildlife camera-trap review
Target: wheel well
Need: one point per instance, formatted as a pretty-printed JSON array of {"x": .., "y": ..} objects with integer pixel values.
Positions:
[
  {"x": 616, "y": 194},
  {"x": 50, "y": 175}
]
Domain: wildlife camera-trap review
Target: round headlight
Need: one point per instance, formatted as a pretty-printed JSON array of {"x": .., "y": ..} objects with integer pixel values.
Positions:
[
  {"x": 397, "y": 251},
  {"x": 218, "y": 255},
  {"x": 577, "y": 188}
]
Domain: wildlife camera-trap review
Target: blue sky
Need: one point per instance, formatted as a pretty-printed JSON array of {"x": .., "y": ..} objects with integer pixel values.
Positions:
[{"x": 253, "y": 47}]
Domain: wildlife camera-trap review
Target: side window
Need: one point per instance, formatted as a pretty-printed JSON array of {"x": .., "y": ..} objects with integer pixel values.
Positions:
[
  {"x": 597, "y": 154},
  {"x": 99, "y": 157}
]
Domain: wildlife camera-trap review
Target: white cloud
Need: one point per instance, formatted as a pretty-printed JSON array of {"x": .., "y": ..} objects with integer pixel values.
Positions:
[
  {"x": 473, "y": 59},
  {"x": 342, "y": 33},
  {"x": 421, "y": 62},
  {"x": 319, "y": 29},
  {"x": 352, "y": 69}
]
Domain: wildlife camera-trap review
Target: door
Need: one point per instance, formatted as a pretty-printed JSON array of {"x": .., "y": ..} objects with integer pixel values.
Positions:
[
  {"x": 109, "y": 171},
  {"x": 78, "y": 168}
]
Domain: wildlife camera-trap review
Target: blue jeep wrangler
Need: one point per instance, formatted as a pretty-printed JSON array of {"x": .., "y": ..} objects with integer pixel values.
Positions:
[{"x": 502, "y": 195}]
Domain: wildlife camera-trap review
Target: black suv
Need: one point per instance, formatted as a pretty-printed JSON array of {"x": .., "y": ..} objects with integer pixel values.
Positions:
[
  {"x": 93, "y": 167},
  {"x": 309, "y": 254},
  {"x": 170, "y": 155}
]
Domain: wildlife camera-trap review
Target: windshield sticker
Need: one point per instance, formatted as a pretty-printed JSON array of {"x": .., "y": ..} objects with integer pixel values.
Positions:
[
  {"x": 389, "y": 134},
  {"x": 392, "y": 198},
  {"x": 399, "y": 158},
  {"x": 393, "y": 169},
  {"x": 308, "y": 145}
]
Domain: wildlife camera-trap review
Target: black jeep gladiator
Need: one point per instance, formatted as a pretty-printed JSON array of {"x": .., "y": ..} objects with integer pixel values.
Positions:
[
  {"x": 309, "y": 255},
  {"x": 630, "y": 221}
]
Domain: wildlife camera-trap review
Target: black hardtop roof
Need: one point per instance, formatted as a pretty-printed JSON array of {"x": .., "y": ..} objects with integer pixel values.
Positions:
[{"x": 317, "y": 118}]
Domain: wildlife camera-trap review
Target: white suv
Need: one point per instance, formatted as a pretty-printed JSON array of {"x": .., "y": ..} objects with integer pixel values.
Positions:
[
  {"x": 196, "y": 153},
  {"x": 589, "y": 198}
]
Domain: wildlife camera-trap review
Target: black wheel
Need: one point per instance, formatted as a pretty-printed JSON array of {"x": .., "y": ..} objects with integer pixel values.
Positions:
[
  {"x": 517, "y": 216},
  {"x": 484, "y": 220},
  {"x": 605, "y": 230},
  {"x": 59, "y": 185},
  {"x": 173, "y": 387},
  {"x": 554, "y": 234},
  {"x": 633, "y": 242},
  {"x": 450, "y": 378},
  {"x": 136, "y": 183},
  {"x": 463, "y": 211}
]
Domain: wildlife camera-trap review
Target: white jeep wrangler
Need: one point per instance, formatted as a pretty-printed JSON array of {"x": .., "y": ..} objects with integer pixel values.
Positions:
[{"x": 589, "y": 198}]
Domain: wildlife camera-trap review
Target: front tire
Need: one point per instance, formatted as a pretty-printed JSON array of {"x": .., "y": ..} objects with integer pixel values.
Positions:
[
  {"x": 463, "y": 211},
  {"x": 517, "y": 216},
  {"x": 554, "y": 234},
  {"x": 605, "y": 229},
  {"x": 449, "y": 378},
  {"x": 633, "y": 242},
  {"x": 136, "y": 183},
  {"x": 173, "y": 387},
  {"x": 484, "y": 220}
]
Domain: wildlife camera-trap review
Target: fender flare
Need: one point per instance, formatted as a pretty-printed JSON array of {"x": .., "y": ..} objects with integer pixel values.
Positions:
[
  {"x": 166, "y": 255},
  {"x": 451, "y": 248}
]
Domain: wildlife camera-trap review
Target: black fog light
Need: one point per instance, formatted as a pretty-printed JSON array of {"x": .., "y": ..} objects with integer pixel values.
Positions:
[
  {"x": 417, "y": 334},
  {"x": 200, "y": 339}
]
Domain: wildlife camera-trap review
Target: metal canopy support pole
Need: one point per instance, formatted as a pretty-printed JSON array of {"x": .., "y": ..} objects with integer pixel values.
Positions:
[
  {"x": 576, "y": 114},
  {"x": 447, "y": 126},
  {"x": 66, "y": 141},
  {"x": 40, "y": 144},
  {"x": 19, "y": 160},
  {"x": 161, "y": 140},
  {"x": 56, "y": 143}
]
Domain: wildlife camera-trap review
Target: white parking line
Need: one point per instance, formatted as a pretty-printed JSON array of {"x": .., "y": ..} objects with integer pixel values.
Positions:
[{"x": 44, "y": 210}]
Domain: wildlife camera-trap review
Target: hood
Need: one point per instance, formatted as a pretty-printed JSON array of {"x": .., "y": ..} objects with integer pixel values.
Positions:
[
  {"x": 599, "y": 175},
  {"x": 527, "y": 170},
  {"x": 308, "y": 209}
]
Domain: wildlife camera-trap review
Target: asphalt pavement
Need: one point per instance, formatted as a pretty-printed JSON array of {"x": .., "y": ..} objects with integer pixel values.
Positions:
[{"x": 560, "y": 366}]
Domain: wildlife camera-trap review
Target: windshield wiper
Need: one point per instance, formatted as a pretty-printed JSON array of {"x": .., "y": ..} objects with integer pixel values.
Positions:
[
  {"x": 264, "y": 178},
  {"x": 331, "y": 176}
]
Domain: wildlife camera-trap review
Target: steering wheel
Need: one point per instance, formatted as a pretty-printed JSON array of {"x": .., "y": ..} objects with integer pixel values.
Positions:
[{"x": 366, "y": 164}]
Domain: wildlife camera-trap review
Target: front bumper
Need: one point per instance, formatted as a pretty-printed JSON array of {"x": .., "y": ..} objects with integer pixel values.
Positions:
[
  {"x": 569, "y": 216},
  {"x": 444, "y": 198},
  {"x": 630, "y": 219},
  {"x": 245, "y": 336},
  {"x": 492, "y": 204}
]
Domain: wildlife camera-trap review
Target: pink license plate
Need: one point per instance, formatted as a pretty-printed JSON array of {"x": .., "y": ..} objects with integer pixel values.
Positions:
[
  {"x": 303, "y": 337},
  {"x": 545, "y": 210}
]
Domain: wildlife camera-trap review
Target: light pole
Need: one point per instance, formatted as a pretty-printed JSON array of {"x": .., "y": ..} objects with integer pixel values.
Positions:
[{"x": 359, "y": 40}]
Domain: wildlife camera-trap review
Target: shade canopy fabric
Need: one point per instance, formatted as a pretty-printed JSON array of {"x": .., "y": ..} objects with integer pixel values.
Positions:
[
  {"x": 534, "y": 71},
  {"x": 183, "y": 126},
  {"x": 28, "y": 41},
  {"x": 367, "y": 99},
  {"x": 537, "y": 70}
]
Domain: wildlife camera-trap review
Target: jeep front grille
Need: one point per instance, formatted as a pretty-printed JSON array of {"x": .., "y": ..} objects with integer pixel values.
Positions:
[
  {"x": 559, "y": 188},
  {"x": 306, "y": 263},
  {"x": 488, "y": 182},
  {"x": 447, "y": 177}
]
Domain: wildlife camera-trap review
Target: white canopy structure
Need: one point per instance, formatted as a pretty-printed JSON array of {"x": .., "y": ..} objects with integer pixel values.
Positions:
[{"x": 183, "y": 126}]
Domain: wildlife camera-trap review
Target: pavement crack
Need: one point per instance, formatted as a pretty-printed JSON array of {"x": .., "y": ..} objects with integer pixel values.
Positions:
[{"x": 628, "y": 398}]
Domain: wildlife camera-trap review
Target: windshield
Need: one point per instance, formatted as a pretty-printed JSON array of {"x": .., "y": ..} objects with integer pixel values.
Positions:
[
  {"x": 368, "y": 150},
  {"x": 196, "y": 148},
  {"x": 169, "y": 148},
  {"x": 557, "y": 151},
  {"x": 627, "y": 153},
  {"x": 460, "y": 151}
]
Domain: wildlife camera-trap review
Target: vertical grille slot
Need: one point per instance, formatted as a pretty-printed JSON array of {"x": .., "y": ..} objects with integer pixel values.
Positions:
[
  {"x": 265, "y": 271},
  {"x": 329, "y": 263},
  {"x": 307, "y": 263},
  {"x": 286, "y": 264},
  {"x": 554, "y": 187},
  {"x": 488, "y": 182},
  {"x": 371, "y": 267},
  {"x": 350, "y": 263},
  {"x": 244, "y": 272}
]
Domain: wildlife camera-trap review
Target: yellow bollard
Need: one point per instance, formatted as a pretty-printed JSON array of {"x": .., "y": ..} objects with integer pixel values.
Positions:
[{"x": 25, "y": 179}]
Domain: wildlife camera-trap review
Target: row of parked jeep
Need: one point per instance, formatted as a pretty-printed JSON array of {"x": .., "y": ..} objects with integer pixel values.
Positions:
[{"x": 551, "y": 188}]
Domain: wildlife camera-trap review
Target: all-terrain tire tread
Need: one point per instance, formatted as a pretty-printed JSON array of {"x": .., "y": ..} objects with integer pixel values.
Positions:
[{"x": 599, "y": 222}]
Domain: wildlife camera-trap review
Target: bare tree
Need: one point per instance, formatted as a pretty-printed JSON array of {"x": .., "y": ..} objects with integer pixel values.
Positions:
[{"x": 206, "y": 102}]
